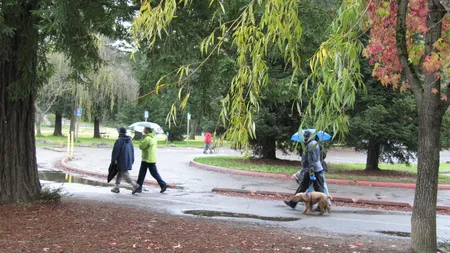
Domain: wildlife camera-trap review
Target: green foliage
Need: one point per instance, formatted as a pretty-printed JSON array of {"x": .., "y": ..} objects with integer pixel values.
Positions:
[
  {"x": 176, "y": 133},
  {"x": 445, "y": 130},
  {"x": 156, "y": 70},
  {"x": 257, "y": 29},
  {"x": 129, "y": 113},
  {"x": 384, "y": 116},
  {"x": 52, "y": 195},
  {"x": 277, "y": 120},
  {"x": 335, "y": 71}
]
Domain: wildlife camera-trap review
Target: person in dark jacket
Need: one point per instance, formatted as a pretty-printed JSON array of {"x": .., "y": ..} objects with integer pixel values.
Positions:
[
  {"x": 123, "y": 156},
  {"x": 312, "y": 165}
]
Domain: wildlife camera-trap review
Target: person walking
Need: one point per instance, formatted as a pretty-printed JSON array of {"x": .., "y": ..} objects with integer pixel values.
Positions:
[
  {"x": 123, "y": 156},
  {"x": 299, "y": 175},
  {"x": 208, "y": 140},
  {"x": 312, "y": 166},
  {"x": 148, "y": 146}
]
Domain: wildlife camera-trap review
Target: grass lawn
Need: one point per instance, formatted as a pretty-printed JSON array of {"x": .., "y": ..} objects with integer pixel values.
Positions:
[
  {"x": 86, "y": 139},
  {"x": 388, "y": 172}
]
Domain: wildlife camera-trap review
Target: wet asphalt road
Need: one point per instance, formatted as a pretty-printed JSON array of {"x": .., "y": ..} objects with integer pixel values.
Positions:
[{"x": 195, "y": 193}]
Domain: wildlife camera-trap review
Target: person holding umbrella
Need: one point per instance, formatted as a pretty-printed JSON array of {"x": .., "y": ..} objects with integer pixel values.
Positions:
[
  {"x": 148, "y": 146},
  {"x": 123, "y": 157},
  {"x": 312, "y": 166}
]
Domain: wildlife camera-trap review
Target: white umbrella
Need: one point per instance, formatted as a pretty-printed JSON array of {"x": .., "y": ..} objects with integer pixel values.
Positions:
[{"x": 139, "y": 127}]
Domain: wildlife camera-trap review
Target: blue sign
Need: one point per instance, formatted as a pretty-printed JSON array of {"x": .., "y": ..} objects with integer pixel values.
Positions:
[
  {"x": 146, "y": 114},
  {"x": 79, "y": 112}
]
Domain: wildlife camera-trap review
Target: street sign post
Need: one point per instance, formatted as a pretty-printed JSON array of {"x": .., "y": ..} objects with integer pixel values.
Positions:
[
  {"x": 187, "y": 137},
  {"x": 146, "y": 115},
  {"x": 79, "y": 112}
]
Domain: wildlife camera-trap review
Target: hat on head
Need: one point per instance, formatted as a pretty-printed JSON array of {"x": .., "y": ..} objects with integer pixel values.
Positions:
[
  {"x": 306, "y": 135},
  {"x": 122, "y": 130}
]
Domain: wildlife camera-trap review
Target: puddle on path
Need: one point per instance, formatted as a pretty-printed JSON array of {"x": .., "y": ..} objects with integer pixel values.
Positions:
[
  {"x": 61, "y": 177},
  {"x": 207, "y": 213},
  {"x": 394, "y": 233}
]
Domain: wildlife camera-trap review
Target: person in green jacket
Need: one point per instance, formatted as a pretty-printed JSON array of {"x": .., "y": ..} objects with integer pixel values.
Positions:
[{"x": 148, "y": 146}]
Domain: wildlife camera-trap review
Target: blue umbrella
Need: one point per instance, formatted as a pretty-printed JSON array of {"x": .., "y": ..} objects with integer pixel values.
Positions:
[{"x": 323, "y": 136}]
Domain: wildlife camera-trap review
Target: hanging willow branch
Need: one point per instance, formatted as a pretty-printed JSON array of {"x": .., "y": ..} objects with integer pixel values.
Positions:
[
  {"x": 335, "y": 70},
  {"x": 278, "y": 27}
]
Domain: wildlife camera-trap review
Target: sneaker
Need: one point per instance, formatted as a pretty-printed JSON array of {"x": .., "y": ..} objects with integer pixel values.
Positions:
[
  {"x": 136, "y": 188},
  {"x": 164, "y": 188},
  {"x": 115, "y": 190},
  {"x": 290, "y": 203}
]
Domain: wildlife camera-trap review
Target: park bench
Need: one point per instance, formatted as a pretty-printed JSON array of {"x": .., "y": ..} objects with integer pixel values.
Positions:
[{"x": 104, "y": 135}]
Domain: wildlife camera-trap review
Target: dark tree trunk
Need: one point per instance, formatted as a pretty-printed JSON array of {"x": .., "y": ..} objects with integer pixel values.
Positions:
[
  {"x": 193, "y": 130},
  {"x": 431, "y": 111},
  {"x": 373, "y": 156},
  {"x": 269, "y": 149},
  {"x": 97, "y": 127},
  {"x": 423, "y": 221},
  {"x": 73, "y": 119},
  {"x": 19, "y": 182},
  {"x": 58, "y": 124}
]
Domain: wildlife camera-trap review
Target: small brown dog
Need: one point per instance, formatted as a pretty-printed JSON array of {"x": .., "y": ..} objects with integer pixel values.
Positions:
[{"x": 311, "y": 198}]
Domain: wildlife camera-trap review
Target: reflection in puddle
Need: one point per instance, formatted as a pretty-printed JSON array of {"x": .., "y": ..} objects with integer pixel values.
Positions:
[
  {"x": 61, "y": 177},
  {"x": 395, "y": 233},
  {"x": 207, "y": 213}
]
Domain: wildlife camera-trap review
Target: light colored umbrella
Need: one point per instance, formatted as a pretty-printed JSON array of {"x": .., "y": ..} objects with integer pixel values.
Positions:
[{"x": 139, "y": 127}]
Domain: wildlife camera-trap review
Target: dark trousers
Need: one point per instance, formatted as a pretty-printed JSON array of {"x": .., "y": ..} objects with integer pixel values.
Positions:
[
  {"x": 153, "y": 171},
  {"x": 306, "y": 181}
]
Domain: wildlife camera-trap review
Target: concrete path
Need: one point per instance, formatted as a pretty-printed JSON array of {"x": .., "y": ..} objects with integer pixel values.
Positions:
[{"x": 173, "y": 166}]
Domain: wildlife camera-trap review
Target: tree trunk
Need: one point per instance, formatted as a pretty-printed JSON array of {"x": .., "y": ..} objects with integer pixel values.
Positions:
[
  {"x": 58, "y": 124},
  {"x": 431, "y": 111},
  {"x": 97, "y": 128},
  {"x": 373, "y": 156},
  {"x": 423, "y": 221},
  {"x": 73, "y": 119},
  {"x": 19, "y": 182},
  {"x": 38, "y": 126},
  {"x": 269, "y": 149},
  {"x": 193, "y": 130}
]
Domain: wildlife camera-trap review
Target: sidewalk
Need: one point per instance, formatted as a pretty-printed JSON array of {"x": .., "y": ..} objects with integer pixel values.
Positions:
[{"x": 177, "y": 168}]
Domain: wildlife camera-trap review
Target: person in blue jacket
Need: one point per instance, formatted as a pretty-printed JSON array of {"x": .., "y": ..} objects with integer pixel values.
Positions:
[{"x": 123, "y": 157}]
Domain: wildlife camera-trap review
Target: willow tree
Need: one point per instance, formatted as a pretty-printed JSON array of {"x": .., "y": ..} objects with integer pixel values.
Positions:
[
  {"x": 25, "y": 28},
  {"x": 109, "y": 86},
  {"x": 54, "y": 88}
]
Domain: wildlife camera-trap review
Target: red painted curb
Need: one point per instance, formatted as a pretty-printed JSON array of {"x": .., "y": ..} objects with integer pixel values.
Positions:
[
  {"x": 225, "y": 190},
  {"x": 383, "y": 203},
  {"x": 445, "y": 208},
  {"x": 69, "y": 168},
  {"x": 335, "y": 198},
  {"x": 343, "y": 199}
]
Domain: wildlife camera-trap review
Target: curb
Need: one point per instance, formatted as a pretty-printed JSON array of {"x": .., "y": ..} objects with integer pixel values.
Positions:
[
  {"x": 329, "y": 181},
  {"x": 335, "y": 198},
  {"x": 69, "y": 168}
]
